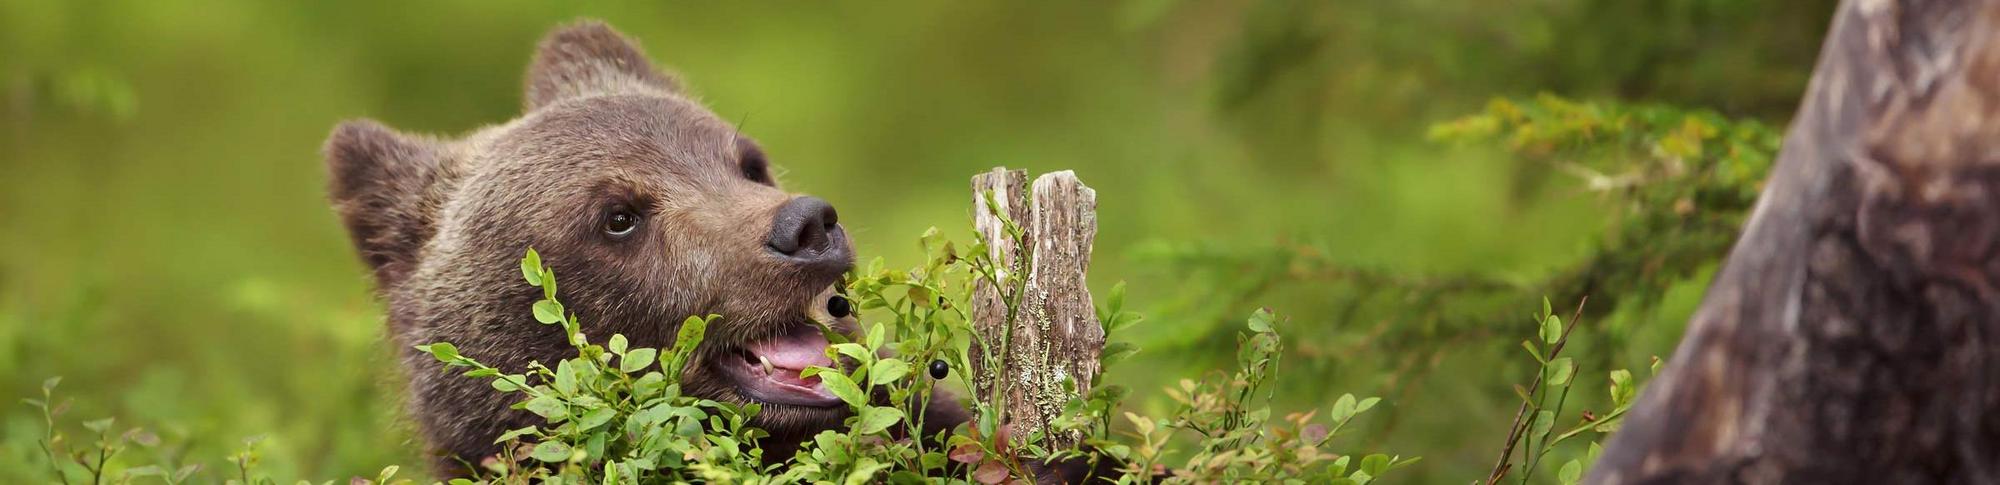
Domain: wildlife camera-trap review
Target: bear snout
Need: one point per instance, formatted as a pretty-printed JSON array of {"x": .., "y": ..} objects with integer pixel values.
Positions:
[{"x": 806, "y": 230}]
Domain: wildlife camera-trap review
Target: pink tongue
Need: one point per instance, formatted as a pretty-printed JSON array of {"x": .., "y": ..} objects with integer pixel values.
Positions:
[{"x": 796, "y": 351}]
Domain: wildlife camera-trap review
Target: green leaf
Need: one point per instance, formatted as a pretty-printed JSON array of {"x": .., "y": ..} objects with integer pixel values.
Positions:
[
  {"x": 692, "y": 331},
  {"x": 565, "y": 377},
  {"x": 856, "y": 351},
  {"x": 507, "y": 383},
  {"x": 874, "y": 419},
  {"x": 1107, "y": 314},
  {"x": 1116, "y": 352},
  {"x": 1552, "y": 329},
  {"x": 515, "y": 433},
  {"x": 887, "y": 370},
  {"x": 531, "y": 267},
  {"x": 864, "y": 470},
  {"x": 1571, "y": 472},
  {"x": 1560, "y": 371},
  {"x": 596, "y": 417},
  {"x": 551, "y": 452},
  {"x": 1365, "y": 404},
  {"x": 548, "y": 407},
  {"x": 1530, "y": 345},
  {"x": 840, "y": 385},
  {"x": 1544, "y": 421},
  {"x": 1117, "y": 300},
  {"x": 98, "y": 425},
  {"x": 617, "y": 344},
  {"x": 548, "y": 311},
  {"x": 637, "y": 360},
  {"x": 1375, "y": 464},
  {"x": 1121, "y": 321},
  {"x": 1260, "y": 321},
  {"x": 906, "y": 477},
  {"x": 1622, "y": 390},
  {"x": 1343, "y": 408},
  {"x": 444, "y": 352},
  {"x": 1547, "y": 309}
]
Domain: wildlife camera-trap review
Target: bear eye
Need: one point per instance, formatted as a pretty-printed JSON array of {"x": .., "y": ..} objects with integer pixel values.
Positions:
[
  {"x": 620, "y": 222},
  {"x": 756, "y": 173},
  {"x": 755, "y": 168}
]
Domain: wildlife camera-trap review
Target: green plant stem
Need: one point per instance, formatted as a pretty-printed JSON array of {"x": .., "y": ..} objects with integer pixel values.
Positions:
[
  {"x": 1519, "y": 428},
  {"x": 49, "y": 438},
  {"x": 1608, "y": 417},
  {"x": 1536, "y": 459},
  {"x": 103, "y": 454}
]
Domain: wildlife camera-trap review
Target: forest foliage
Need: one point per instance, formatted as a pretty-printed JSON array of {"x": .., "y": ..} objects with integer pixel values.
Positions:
[{"x": 1344, "y": 164}]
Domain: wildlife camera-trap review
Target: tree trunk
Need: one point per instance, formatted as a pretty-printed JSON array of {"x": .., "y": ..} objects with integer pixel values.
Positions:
[
  {"x": 1851, "y": 336},
  {"x": 1055, "y": 337}
]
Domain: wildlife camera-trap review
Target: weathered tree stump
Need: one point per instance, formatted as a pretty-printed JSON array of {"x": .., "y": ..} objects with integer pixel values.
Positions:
[
  {"x": 1854, "y": 334},
  {"x": 1050, "y": 343}
]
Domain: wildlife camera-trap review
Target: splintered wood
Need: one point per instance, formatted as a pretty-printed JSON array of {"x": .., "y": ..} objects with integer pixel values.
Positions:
[{"x": 1049, "y": 344}]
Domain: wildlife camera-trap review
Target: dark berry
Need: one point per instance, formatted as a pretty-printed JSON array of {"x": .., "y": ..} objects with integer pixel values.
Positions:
[
  {"x": 939, "y": 369},
  {"x": 838, "y": 307}
]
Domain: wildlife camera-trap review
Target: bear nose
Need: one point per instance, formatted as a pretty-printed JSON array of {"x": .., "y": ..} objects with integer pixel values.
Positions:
[{"x": 807, "y": 228}]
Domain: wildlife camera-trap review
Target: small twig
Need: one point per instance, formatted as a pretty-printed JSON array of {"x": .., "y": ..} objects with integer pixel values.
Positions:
[
  {"x": 1536, "y": 459},
  {"x": 1614, "y": 414},
  {"x": 1515, "y": 430}
]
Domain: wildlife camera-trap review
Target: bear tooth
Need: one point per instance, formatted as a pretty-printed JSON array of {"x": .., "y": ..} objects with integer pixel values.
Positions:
[{"x": 768, "y": 370}]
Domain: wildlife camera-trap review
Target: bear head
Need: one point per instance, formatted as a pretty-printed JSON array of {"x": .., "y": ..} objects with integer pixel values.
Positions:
[{"x": 650, "y": 209}]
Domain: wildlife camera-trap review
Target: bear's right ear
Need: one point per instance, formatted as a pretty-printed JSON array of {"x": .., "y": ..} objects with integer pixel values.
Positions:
[
  {"x": 382, "y": 183},
  {"x": 587, "y": 58}
]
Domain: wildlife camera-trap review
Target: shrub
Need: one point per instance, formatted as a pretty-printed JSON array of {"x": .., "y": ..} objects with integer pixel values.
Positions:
[
  {"x": 616, "y": 414},
  {"x": 1535, "y": 430}
]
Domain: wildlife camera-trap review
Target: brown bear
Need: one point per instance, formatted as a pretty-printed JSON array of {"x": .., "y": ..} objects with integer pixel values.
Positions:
[{"x": 648, "y": 206}]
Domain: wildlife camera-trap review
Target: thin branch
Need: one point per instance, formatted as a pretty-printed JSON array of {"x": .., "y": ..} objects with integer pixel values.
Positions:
[{"x": 1515, "y": 430}]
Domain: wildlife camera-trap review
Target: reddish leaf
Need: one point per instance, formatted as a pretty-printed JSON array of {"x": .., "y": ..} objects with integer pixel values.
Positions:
[
  {"x": 1314, "y": 433},
  {"x": 968, "y": 453},
  {"x": 990, "y": 473}
]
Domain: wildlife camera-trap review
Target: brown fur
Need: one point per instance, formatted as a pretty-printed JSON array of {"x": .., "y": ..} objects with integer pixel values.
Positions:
[{"x": 442, "y": 222}]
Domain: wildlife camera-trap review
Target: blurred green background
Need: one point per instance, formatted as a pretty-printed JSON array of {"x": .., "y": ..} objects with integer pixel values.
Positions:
[{"x": 168, "y": 248}]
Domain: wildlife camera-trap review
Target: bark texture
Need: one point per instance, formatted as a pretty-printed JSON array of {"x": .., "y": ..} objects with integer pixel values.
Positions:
[
  {"x": 1851, "y": 336},
  {"x": 1051, "y": 351}
]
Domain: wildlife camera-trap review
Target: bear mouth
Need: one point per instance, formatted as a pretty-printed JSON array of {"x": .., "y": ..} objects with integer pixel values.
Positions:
[{"x": 769, "y": 370}]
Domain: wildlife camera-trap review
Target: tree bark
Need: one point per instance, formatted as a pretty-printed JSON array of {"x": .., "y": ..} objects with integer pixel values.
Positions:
[
  {"x": 1851, "y": 335},
  {"x": 1050, "y": 354}
]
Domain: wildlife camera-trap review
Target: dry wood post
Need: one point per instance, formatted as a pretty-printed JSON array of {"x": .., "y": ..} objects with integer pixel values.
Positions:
[
  {"x": 1854, "y": 334},
  {"x": 1053, "y": 335}
]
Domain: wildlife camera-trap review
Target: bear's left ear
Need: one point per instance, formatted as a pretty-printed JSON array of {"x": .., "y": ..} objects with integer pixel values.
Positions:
[
  {"x": 588, "y": 58},
  {"x": 385, "y": 185}
]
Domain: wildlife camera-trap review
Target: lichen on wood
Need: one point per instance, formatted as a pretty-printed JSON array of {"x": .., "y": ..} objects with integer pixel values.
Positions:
[{"x": 1049, "y": 337}]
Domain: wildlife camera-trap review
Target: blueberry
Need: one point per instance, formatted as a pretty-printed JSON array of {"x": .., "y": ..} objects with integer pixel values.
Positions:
[
  {"x": 939, "y": 369},
  {"x": 838, "y": 307}
]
